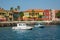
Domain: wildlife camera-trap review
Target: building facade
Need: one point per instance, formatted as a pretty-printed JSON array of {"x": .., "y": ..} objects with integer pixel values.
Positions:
[
  {"x": 7, "y": 15},
  {"x": 3, "y": 13},
  {"x": 33, "y": 14},
  {"x": 28, "y": 15},
  {"x": 47, "y": 15}
]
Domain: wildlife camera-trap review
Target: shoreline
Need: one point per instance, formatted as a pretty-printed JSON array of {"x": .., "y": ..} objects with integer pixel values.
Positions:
[{"x": 14, "y": 23}]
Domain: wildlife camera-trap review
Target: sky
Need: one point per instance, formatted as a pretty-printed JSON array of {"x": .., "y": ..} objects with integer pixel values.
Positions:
[{"x": 30, "y": 4}]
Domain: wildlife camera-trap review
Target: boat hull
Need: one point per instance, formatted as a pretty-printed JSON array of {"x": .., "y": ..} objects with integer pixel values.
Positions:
[{"x": 22, "y": 27}]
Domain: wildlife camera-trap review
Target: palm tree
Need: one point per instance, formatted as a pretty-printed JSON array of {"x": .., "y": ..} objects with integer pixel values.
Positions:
[
  {"x": 33, "y": 14},
  {"x": 18, "y": 7},
  {"x": 15, "y": 15},
  {"x": 11, "y": 9},
  {"x": 21, "y": 15}
]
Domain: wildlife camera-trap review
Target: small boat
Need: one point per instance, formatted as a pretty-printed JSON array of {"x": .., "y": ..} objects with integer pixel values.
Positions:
[
  {"x": 22, "y": 26},
  {"x": 39, "y": 25}
]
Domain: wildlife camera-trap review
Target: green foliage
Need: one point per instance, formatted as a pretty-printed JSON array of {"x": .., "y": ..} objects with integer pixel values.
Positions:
[
  {"x": 40, "y": 16},
  {"x": 33, "y": 12},
  {"x": 11, "y": 8},
  {"x": 18, "y": 7},
  {"x": 15, "y": 15},
  {"x": 58, "y": 14},
  {"x": 21, "y": 14}
]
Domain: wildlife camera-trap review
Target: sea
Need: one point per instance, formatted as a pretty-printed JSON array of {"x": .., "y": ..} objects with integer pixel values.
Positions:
[{"x": 49, "y": 32}]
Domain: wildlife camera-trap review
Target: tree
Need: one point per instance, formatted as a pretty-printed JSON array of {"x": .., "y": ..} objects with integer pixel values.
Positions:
[
  {"x": 18, "y": 7},
  {"x": 11, "y": 9},
  {"x": 40, "y": 17},
  {"x": 21, "y": 15},
  {"x": 58, "y": 14},
  {"x": 33, "y": 12},
  {"x": 16, "y": 15}
]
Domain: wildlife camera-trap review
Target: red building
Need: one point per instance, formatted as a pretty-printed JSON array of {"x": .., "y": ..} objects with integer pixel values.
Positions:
[{"x": 47, "y": 15}]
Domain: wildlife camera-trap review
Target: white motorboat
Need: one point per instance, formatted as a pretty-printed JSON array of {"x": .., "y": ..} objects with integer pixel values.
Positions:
[
  {"x": 22, "y": 26},
  {"x": 39, "y": 25}
]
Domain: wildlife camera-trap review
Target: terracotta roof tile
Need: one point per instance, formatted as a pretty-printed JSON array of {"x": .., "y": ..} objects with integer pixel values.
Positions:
[{"x": 35, "y": 10}]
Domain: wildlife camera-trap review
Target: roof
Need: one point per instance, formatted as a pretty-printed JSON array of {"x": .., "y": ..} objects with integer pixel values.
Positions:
[{"x": 35, "y": 10}]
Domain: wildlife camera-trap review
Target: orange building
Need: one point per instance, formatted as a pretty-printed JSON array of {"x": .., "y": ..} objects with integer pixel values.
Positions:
[
  {"x": 32, "y": 14},
  {"x": 2, "y": 14},
  {"x": 7, "y": 15}
]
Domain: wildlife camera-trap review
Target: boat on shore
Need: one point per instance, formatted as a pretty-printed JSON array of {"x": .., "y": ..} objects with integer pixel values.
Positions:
[{"x": 22, "y": 26}]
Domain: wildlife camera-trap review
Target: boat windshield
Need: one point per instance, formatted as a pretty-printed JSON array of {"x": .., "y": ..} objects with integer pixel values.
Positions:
[{"x": 22, "y": 24}]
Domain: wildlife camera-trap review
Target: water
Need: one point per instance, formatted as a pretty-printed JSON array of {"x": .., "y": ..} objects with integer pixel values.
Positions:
[{"x": 47, "y": 33}]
